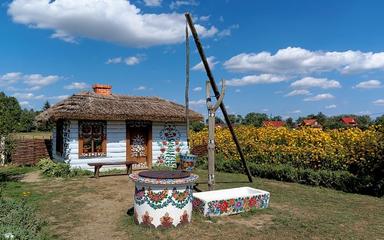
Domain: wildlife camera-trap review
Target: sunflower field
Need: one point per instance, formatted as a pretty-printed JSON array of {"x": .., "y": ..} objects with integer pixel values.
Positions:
[{"x": 359, "y": 152}]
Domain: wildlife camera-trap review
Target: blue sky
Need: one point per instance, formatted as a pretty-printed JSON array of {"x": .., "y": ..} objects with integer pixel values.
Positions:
[{"x": 287, "y": 58}]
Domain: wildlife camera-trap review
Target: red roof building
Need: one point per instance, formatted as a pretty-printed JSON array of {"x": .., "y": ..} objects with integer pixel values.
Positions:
[
  {"x": 273, "y": 124},
  {"x": 349, "y": 121},
  {"x": 311, "y": 123}
]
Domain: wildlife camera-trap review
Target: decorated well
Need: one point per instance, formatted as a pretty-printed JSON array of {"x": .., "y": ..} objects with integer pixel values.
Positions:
[{"x": 163, "y": 198}]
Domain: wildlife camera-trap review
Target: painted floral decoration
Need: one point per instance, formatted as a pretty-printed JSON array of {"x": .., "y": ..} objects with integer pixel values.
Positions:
[
  {"x": 147, "y": 220},
  {"x": 184, "y": 219},
  {"x": 166, "y": 221}
]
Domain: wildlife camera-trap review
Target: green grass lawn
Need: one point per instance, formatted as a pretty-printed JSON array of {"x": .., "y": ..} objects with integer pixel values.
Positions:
[{"x": 74, "y": 207}]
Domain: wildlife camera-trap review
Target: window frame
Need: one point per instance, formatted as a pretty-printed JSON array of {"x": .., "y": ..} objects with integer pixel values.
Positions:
[{"x": 93, "y": 154}]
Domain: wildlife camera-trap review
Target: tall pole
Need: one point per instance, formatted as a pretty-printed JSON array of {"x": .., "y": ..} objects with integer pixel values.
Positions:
[
  {"x": 211, "y": 132},
  {"x": 187, "y": 80},
  {"x": 216, "y": 92}
]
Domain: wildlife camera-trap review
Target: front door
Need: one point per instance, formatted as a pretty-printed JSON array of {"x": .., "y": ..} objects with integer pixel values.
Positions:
[{"x": 139, "y": 147}]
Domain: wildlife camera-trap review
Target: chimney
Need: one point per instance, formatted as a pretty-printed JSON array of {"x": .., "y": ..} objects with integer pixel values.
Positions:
[{"x": 102, "y": 89}]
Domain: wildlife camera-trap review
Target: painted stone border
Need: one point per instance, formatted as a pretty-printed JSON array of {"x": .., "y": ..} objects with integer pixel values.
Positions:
[{"x": 232, "y": 205}]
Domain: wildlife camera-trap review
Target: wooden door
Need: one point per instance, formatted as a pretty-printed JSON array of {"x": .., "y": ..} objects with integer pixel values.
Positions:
[{"x": 139, "y": 146}]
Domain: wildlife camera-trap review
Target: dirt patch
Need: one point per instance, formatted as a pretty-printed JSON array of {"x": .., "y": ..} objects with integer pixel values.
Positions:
[
  {"x": 31, "y": 177},
  {"x": 89, "y": 208}
]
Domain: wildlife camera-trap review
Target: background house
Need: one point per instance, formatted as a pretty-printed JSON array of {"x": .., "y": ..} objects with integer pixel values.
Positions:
[
  {"x": 349, "y": 121},
  {"x": 101, "y": 126},
  {"x": 310, "y": 123},
  {"x": 272, "y": 123}
]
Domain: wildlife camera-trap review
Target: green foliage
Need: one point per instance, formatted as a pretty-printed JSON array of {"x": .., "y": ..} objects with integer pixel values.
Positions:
[
  {"x": 19, "y": 220},
  {"x": 197, "y": 126},
  {"x": 255, "y": 119},
  {"x": 50, "y": 168},
  {"x": 339, "y": 180}
]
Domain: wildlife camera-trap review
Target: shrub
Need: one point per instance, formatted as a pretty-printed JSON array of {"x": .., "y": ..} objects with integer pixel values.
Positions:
[
  {"x": 50, "y": 168},
  {"x": 19, "y": 220},
  {"x": 339, "y": 180}
]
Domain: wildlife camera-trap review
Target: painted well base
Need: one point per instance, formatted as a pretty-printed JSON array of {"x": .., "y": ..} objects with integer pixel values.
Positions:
[
  {"x": 230, "y": 201},
  {"x": 163, "y": 203}
]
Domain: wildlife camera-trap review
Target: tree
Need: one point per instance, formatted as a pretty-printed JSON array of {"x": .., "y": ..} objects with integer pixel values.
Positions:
[
  {"x": 46, "y": 105},
  {"x": 277, "y": 118},
  {"x": 10, "y": 112},
  {"x": 27, "y": 120},
  {"x": 235, "y": 119},
  {"x": 380, "y": 120},
  {"x": 290, "y": 123},
  {"x": 363, "y": 121},
  {"x": 255, "y": 119},
  {"x": 197, "y": 126}
]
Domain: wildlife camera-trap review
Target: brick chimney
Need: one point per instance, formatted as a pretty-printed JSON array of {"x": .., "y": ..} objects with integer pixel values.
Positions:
[{"x": 102, "y": 89}]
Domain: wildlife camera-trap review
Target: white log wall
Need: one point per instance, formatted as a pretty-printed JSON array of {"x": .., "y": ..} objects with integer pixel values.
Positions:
[{"x": 116, "y": 144}]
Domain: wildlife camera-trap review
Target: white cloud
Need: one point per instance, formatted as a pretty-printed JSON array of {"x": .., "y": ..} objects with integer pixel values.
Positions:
[
  {"x": 379, "y": 102},
  {"x": 237, "y": 90},
  {"x": 179, "y": 3},
  {"x": 310, "y": 82},
  {"x": 369, "y": 84},
  {"x": 197, "y": 102},
  {"x": 265, "y": 110},
  {"x": 141, "y": 88},
  {"x": 152, "y": 3},
  {"x": 37, "y": 80},
  {"x": 77, "y": 85},
  {"x": 298, "y": 92},
  {"x": 132, "y": 60},
  {"x": 320, "y": 97},
  {"x": 197, "y": 89},
  {"x": 211, "y": 62},
  {"x": 24, "y": 103},
  {"x": 114, "y": 60},
  {"x": 117, "y": 21},
  {"x": 204, "y": 18},
  {"x": 330, "y": 106},
  {"x": 20, "y": 95},
  {"x": 228, "y": 31},
  {"x": 256, "y": 79},
  {"x": 295, "y": 60},
  {"x": 10, "y": 78},
  {"x": 296, "y": 111}
]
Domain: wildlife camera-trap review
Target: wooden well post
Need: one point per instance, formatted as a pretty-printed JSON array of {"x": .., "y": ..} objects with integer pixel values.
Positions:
[{"x": 211, "y": 132}]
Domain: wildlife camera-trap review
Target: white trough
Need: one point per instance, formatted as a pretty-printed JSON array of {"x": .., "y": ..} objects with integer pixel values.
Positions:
[{"x": 230, "y": 201}]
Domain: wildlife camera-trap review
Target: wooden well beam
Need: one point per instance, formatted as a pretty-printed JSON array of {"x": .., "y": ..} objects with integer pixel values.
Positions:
[{"x": 216, "y": 92}]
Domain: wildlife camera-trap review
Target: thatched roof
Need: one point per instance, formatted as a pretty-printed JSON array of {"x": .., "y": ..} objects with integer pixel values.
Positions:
[{"x": 92, "y": 106}]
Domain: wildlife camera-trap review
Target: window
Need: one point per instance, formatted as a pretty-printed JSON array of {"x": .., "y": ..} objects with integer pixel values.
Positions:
[
  {"x": 92, "y": 139},
  {"x": 59, "y": 137}
]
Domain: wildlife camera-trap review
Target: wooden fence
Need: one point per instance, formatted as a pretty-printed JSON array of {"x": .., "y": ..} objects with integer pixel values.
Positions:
[{"x": 30, "y": 151}]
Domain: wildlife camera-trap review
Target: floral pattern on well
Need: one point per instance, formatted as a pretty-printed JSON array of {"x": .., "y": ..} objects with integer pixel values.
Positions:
[
  {"x": 233, "y": 206},
  {"x": 166, "y": 221},
  {"x": 159, "y": 200},
  {"x": 147, "y": 220},
  {"x": 184, "y": 219},
  {"x": 170, "y": 145}
]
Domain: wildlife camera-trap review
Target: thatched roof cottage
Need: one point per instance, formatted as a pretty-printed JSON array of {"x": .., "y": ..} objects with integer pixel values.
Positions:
[{"x": 100, "y": 126}]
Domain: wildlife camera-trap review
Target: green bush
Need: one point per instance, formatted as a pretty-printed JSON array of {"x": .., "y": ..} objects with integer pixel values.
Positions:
[
  {"x": 19, "y": 220},
  {"x": 50, "y": 168},
  {"x": 339, "y": 180}
]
